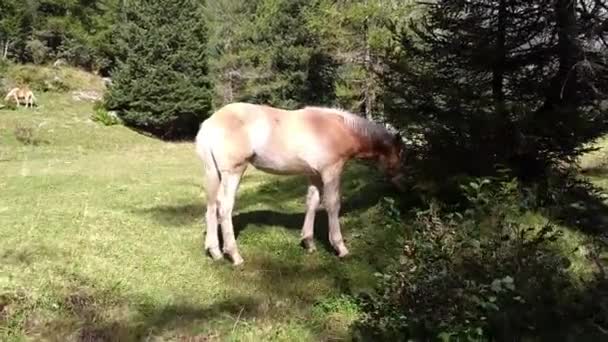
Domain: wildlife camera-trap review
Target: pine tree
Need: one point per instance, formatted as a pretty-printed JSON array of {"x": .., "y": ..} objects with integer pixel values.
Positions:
[
  {"x": 264, "y": 52},
  {"x": 161, "y": 82},
  {"x": 501, "y": 81},
  {"x": 355, "y": 34}
]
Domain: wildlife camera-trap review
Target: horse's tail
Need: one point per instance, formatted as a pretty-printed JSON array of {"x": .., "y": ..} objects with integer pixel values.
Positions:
[
  {"x": 212, "y": 172},
  {"x": 9, "y": 94}
]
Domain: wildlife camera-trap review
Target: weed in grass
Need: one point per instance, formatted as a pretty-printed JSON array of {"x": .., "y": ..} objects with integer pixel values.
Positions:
[{"x": 28, "y": 135}]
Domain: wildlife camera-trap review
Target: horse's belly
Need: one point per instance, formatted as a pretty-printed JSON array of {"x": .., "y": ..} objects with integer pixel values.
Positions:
[{"x": 280, "y": 166}]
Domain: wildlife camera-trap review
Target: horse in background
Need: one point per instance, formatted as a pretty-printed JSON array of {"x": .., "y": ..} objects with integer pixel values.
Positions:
[
  {"x": 22, "y": 92},
  {"x": 313, "y": 141}
]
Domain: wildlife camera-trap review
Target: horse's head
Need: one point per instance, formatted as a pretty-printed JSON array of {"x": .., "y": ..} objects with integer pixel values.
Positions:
[{"x": 392, "y": 158}]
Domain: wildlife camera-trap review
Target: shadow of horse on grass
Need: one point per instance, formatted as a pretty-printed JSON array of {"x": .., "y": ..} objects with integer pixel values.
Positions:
[{"x": 358, "y": 196}]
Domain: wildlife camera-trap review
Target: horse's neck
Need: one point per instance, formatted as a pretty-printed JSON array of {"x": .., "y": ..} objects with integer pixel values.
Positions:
[{"x": 367, "y": 147}]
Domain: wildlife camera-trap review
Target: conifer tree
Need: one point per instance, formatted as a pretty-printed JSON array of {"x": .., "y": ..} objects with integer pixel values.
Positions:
[
  {"x": 504, "y": 81},
  {"x": 161, "y": 82}
]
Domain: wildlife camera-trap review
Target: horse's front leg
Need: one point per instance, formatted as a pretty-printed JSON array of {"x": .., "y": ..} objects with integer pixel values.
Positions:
[
  {"x": 331, "y": 200},
  {"x": 313, "y": 199}
]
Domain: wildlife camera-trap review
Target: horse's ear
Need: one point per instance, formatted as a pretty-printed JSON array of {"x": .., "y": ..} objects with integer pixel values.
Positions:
[{"x": 398, "y": 141}]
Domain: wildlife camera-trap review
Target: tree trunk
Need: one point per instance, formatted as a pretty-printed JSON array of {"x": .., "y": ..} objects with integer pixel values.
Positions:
[
  {"x": 562, "y": 91},
  {"x": 499, "y": 59},
  {"x": 5, "y": 45},
  {"x": 561, "y": 97},
  {"x": 367, "y": 66}
]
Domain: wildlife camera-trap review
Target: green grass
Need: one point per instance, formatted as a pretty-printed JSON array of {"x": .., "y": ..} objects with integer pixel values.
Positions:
[{"x": 101, "y": 232}]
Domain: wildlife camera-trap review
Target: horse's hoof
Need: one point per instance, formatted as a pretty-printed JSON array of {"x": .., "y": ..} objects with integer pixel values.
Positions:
[
  {"x": 234, "y": 256},
  {"x": 309, "y": 245},
  {"x": 237, "y": 261},
  {"x": 215, "y": 253},
  {"x": 342, "y": 252},
  {"x": 343, "y": 255}
]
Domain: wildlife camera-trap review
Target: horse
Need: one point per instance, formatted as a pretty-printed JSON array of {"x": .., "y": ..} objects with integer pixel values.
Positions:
[
  {"x": 315, "y": 142},
  {"x": 21, "y": 93}
]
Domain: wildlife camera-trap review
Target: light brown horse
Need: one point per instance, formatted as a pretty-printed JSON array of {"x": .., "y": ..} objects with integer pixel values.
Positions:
[
  {"x": 23, "y": 92},
  {"x": 313, "y": 141}
]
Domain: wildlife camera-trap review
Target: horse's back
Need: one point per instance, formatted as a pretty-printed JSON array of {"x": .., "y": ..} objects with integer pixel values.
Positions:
[{"x": 276, "y": 139}]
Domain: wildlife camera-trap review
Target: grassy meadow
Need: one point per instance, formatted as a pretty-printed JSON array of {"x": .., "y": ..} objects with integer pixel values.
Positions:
[{"x": 101, "y": 232}]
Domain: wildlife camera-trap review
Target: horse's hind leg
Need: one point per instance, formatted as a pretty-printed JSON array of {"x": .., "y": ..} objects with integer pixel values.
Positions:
[
  {"x": 228, "y": 188},
  {"x": 313, "y": 199},
  {"x": 212, "y": 187},
  {"x": 212, "y": 244}
]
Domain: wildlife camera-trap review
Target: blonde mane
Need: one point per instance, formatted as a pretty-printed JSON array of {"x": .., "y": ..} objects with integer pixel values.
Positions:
[{"x": 359, "y": 124}]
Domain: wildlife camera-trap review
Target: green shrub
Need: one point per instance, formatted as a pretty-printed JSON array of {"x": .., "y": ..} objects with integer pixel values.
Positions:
[
  {"x": 480, "y": 273},
  {"x": 10, "y": 105},
  {"x": 38, "y": 78},
  {"x": 161, "y": 84},
  {"x": 37, "y": 50},
  {"x": 4, "y": 65},
  {"x": 101, "y": 115},
  {"x": 28, "y": 135}
]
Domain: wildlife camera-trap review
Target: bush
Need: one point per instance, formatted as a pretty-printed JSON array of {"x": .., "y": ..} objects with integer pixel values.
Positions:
[
  {"x": 104, "y": 117},
  {"x": 27, "y": 135},
  {"x": 4, "y": 65},
  {"x": 161, "y": 84},
  {"x": 38, "y": 78},
  {"x": 478, "y": 273},
  {"x": 10, "y": 105},
  {"x": 78, "y": 53},
  {"x": 37, "y": 50}
]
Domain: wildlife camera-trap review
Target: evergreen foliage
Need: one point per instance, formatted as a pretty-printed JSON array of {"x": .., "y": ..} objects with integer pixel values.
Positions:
[
  {"x": 263, "y": 52},
  {"x": 45, "y": 30},
  {"x": 160, "y": 84},
  {"x": 511, "y": 82}
]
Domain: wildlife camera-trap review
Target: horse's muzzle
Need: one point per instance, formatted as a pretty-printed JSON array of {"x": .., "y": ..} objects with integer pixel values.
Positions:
[{"x": 396, "y": 181}]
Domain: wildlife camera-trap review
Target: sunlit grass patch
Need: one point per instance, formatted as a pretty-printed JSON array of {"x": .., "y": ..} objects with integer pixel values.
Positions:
[{"x": 102, "y": 232}]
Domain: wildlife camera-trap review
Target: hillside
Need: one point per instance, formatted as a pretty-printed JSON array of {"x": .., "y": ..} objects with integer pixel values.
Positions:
[{"x": 101, "y": 238}]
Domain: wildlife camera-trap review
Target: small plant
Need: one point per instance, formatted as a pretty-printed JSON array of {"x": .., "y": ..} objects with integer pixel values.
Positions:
[
  {"x": 103, "y": 116},
  {"x": 27, "y": 135},
  {"x": 4, "y": 65},
  {"x": 56, "y": 84},
  {"x": 10, "y": 105}
]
